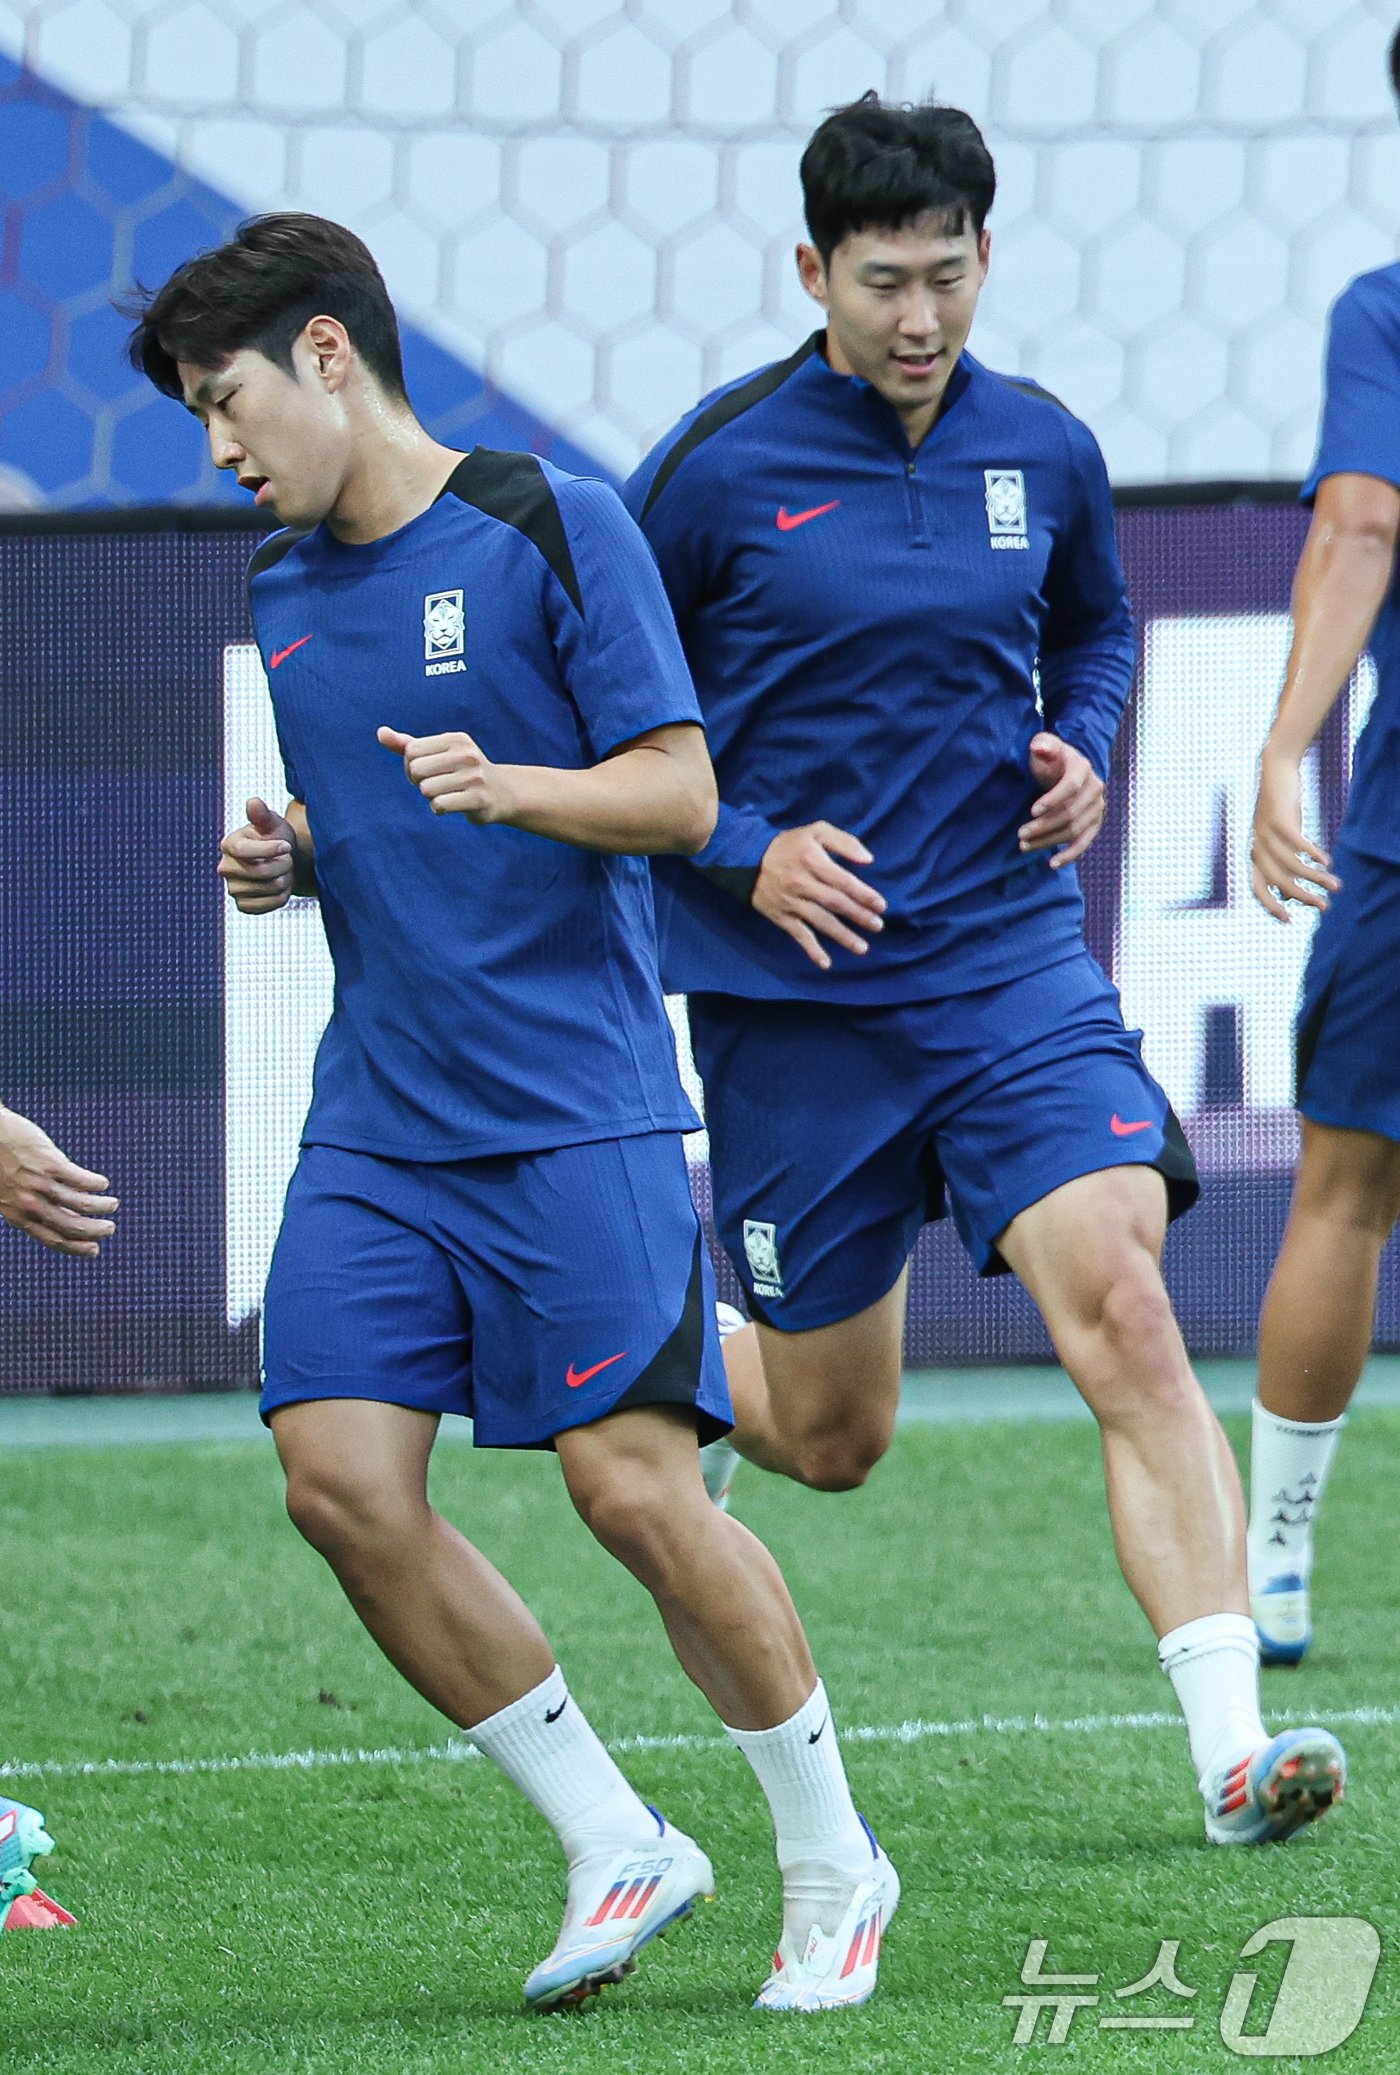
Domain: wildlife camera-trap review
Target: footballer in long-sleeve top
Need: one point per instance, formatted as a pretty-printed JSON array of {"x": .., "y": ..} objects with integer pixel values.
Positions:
[
  {"x": 864, "y": 622},
  {"x": 877, "y": 632}
]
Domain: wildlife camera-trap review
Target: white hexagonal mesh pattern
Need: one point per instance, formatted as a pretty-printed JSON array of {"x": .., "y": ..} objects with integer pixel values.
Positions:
[{"x": 596, "y": 200}]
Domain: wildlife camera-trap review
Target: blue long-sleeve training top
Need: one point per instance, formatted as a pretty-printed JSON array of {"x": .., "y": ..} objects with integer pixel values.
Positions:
[{"x": 864, "y": 622}]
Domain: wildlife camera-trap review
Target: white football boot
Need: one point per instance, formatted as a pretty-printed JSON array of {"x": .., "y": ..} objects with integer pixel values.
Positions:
[
  {"x": 1275, "y": 1790},
  {"x": 719, "y": 1460},
  {"x": 832, "y": 1969},
  {"x": 618, "y": 1902}
]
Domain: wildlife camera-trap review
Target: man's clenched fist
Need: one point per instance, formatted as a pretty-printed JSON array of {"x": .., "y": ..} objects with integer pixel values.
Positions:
[
  {"x": 453, "y": 775},
  {"x": 256, "y": 862}
]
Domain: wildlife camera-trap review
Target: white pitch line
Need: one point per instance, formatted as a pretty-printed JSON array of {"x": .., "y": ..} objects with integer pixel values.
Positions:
[{"x": 453, "y": 1752}]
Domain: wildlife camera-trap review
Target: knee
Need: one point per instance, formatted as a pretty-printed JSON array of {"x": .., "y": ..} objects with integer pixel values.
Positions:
[
  {"x": 632, "y": 1524},
  {"x": 1137, "y": 1343},
  {"x": 341, "y": 1516},
  {"x": 1135, "y": 1313},
  {"x": 837, "y": 1458}
]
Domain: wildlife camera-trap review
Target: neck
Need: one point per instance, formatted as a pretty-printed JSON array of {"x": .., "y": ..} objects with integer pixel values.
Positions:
[
  {"x": 919, "y": 422},
  {"x": 396, "y": 471},
  {"x": 917, "y": 419}
]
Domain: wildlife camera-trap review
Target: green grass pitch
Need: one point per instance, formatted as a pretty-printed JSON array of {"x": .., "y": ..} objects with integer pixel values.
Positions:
[{"x": 380, "y": 1914}]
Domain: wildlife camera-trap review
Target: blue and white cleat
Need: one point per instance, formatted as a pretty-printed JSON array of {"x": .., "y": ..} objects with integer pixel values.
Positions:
[
  {"x": 841, "y": 1967},
  {"x": 618, "y": 1902},
  {"x": 1276, "y": 1790},
  {"x": 1282, "y": 1613}
]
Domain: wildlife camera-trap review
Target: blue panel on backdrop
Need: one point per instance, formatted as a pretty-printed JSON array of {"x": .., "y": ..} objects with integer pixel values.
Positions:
[{"x": 87, "y": 208}]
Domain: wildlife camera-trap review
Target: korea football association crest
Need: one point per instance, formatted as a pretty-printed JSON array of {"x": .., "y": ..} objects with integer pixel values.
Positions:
[
  {"x": 761, "y": 1247},
  {"x": 1006, "y": 507},
  {"x": 444, "y": 633}
]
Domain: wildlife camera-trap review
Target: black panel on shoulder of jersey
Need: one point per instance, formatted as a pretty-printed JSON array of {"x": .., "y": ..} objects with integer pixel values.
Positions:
[
  {"x": 514, "y": 489},
  {"x": 1030, "y": 388},
  {"x": 268, "y": 553},
  {"x": 724, "y": 410}
]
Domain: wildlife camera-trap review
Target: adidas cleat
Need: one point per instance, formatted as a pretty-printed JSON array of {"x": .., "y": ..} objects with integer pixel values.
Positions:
[
  {"x": 832, "y": 1970},
  {"x": 618, "y": 1902},
  {"x": 23, "y": 1839},
  {"x": 1283, "y": 1616},
  {"x": 1276, "y": 1790}
]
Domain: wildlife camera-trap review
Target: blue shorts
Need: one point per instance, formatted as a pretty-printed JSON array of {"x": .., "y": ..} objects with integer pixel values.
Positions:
[
  {"x": 837, "y": 1132},
  {"x": 531, "y": 1293},
  {"x": 1348, "y": 1030}
]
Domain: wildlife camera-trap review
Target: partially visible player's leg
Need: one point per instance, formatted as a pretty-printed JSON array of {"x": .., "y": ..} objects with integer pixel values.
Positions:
[
  {"x": 635, "y": 1478},
  {"x": 820, "y": 1406},
  {"x": 1315, "y": 1331},
  {"x": 1314, "y": 1336},
  {"x": 1320, "y": 1307},
  {"x": 821, "y": 1185}
]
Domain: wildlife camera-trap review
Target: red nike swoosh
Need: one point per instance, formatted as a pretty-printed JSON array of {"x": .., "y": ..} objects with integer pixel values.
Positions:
[
  {"x": 1122, "y": 1130},
  {"x": 575, "y": 1377},
  {"x": 787, "y": 520},
  {"x": 282, "y": 654}
]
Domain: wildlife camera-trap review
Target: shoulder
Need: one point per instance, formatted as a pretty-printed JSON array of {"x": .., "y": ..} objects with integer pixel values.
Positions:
[
  {"x": 1035, "y": 413},
  {"x": 1370, "y": 303},
  {"x": 274, "y": 549},
  {"x": 525, "y": 493},
  {"x": 699, "y": 437}
]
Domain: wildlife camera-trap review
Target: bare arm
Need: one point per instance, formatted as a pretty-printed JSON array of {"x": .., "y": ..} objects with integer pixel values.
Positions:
[
  {"x": 651, "y": 795},
  {"x": 1342, "y": 578}
]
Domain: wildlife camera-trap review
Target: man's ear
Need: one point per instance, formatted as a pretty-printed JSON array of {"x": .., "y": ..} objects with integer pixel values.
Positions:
[
  {"x": 328, "y": 344},
  {"x": 811, "y": 272}
]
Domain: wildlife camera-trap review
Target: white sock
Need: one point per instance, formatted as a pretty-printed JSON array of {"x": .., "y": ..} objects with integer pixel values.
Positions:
[
  {"x": 1214, "y": 1665},
  {"x": 823, "y": 1846},
  {"x": 546, "y": 1746},
  {"x": 1289, "y": 1461}
]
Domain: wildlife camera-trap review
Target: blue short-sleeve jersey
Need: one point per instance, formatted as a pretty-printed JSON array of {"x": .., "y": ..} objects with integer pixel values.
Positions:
[
  {"x": 1361, "y": 436},
  {"x": 495, "y": 991},
  {"x": 876, "y": 632}
]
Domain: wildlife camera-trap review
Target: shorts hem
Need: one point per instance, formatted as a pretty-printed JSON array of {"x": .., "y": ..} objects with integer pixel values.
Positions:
[
  {"x": 1316, "y": 1113},
  {"x": 1183, "y": 1190},
  {"x": 829, "y": 1317},
  {"x": 270, "y": 1402}
]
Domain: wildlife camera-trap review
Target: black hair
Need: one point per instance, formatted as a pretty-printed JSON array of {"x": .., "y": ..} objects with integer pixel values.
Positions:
[
  {"x": 1395, "y": 63},
  {"x": 260, "y": 291},
  {"x": 873, "y": 166}
]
